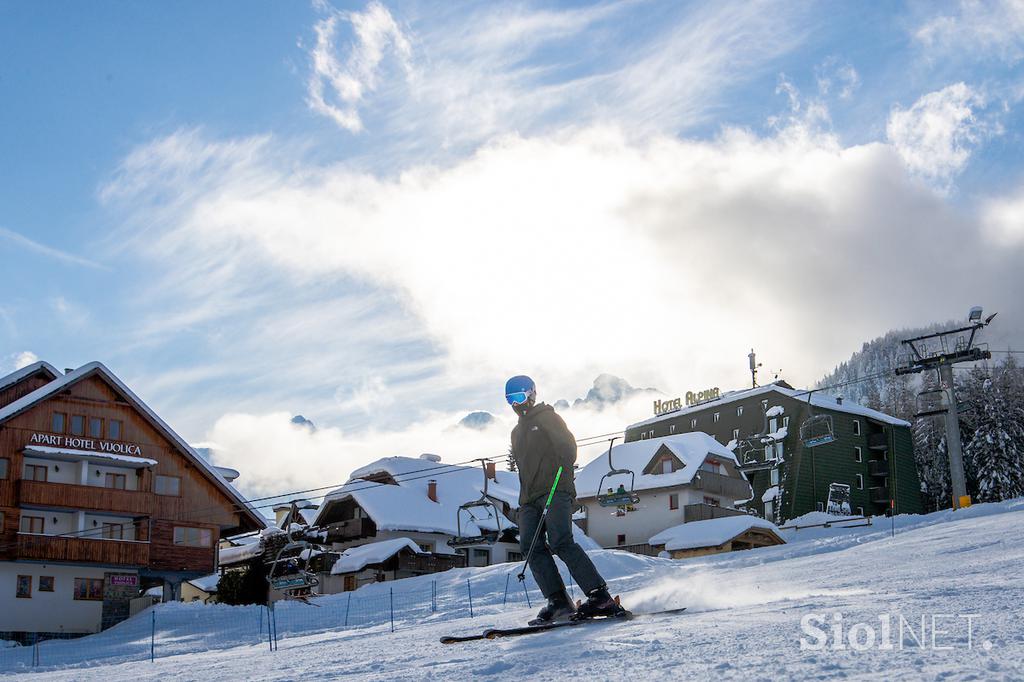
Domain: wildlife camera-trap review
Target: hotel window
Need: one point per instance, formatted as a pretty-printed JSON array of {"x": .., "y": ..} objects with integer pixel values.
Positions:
[
  {"x": 860, "y": 482},
  {"x": 35, "y": 472},
  {"x": 857, "y": 456},
  {"x": 735, "y": 434},
  {"x": 620, "y": 539},
  {"x": 4, "y": 463},
  {"x": 856, "y": 427},
  {"x": 775, "y": 476},
  {"x": 785, "y": 422},
  {"x": 673, "y": 501},
  {"x": 167, "y": 485},
  {"x": 114, "y": 429},
  {"x": 643, "y": 435},
  {"x": 113, "y": 531},
  {"x": 33, "y": 524},
  {"x": 693, "y": 423},
  {"x": 650, "y": 434},
  {"x": 24, "y": 587},
  {"x": 192, "y": 537},
  {"x": 764, "y": 405},
  {"x": 860, "y": 511},
  {"x": 57, "y": 422},
  {"x": 769, "y": 510},
  {"x": 95, "y": 427},
  {"x": 116, "y": 481},
  {"x": 778, "y": 451},
  {"x": 46, "y": 583},
  {"x": 77, "y": 425},
  {"x": 739, "y": 411},
  {"x": 717, "y": 415},
  {"x": 672, "y": 429},
  {"x": 89, "y": 589}
]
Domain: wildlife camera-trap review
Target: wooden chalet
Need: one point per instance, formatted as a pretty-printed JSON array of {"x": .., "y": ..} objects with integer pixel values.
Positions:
[{"x": 99, "y": 500}]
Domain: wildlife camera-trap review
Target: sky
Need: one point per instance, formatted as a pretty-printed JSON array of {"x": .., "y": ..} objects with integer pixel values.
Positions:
[{"x": 372, "y": 214}]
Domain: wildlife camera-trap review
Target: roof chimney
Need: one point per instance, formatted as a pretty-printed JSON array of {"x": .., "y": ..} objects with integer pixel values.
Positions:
[
  {"x": 839, "y": 400},
  {"x": 68, "y": 370},
  {"x": 492, "y": 471},
  {"x": 432, "y": 490}
]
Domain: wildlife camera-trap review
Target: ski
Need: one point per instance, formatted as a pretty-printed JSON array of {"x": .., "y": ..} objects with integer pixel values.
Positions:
[{"x": 498, "y": 633}]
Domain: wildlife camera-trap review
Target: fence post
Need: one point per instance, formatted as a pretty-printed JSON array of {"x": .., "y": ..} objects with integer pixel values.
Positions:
[
  {"x": 270, "y": 637},
  {"x": 433, "y": 596},
  {"x": 348, "y": 605},
  {"x": 152, "y": 637},
  {"x": 469, "y": 590},
  {"x": 35, "y": 649},
  {"x": 391, "y": 591},
  {"x": 505, "y": 597},
  {"x": 527, "y": 592},
  {"x": 261, "y": 622}
]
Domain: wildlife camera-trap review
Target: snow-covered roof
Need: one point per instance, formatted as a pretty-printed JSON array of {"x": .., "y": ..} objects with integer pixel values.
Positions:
[
  {"x": 710, "y": 533},
  {"x": 207, "y": 583},
  {"x": 691, "y": 449},
  {"x": 88, "y": 455},
  {"x": 356, "y": 559},
  {"x": 28, "y": 370},
  {"x": 818, "y": 399},
  {"x": 770, "y": 494},
  {"x": 234, "y": 555},
  {"x": 65, "y": 380},
  {"x": 406, "y": 507}
]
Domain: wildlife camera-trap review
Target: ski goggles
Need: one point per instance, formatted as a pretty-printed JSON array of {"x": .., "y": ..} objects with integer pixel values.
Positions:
[{"x": 517, "y": 398}]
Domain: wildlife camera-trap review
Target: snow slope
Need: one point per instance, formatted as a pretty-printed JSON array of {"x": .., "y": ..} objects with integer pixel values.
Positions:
[{"x": 743, "y": 622}]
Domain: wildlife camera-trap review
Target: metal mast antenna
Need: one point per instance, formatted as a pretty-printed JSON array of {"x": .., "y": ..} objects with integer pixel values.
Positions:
[
  {"x": 754, "y": 364},
  {"x": 938, "y": 355}
]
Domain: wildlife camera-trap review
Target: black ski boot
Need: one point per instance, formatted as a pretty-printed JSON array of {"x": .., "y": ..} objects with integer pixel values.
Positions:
[
  {"x": 559, "y": 608},
  {"x": 599, "y": 603}
]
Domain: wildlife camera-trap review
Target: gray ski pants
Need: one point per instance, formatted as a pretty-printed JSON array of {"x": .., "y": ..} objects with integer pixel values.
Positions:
[{"x": 559, "y": 542}]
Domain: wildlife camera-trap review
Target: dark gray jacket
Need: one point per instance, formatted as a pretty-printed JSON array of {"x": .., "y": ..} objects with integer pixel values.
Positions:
[{"x": 541, "y": 442}]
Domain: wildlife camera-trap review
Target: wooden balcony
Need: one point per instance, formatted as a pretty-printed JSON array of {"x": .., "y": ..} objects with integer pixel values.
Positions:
[
  {"x": 351, "y": 529},
  {"x": 85, "y": 497},
  {"x": 878, "y": 467},
  {"x": 107, "y": 552},
  {"x": 878, "y": 441},
  {"x": 706, "y": 512},
  {"x": 717, "y": 484},
  {"x": 430, "y": 563}
]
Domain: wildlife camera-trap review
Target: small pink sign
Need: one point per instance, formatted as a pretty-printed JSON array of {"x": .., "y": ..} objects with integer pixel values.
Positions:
[{"x": 130, "y": 580}]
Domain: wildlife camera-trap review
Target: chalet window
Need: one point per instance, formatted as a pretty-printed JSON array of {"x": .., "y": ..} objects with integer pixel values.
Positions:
[
  {"x": 481, "y": 557},
  {"x": 778, "y": 451},
  {"x": 114, "y": 429},
  {"x": 89, "y": 589},
  {"x": 666, "y": 466},
  {"x": 95, "y": 427},
  {"x": 860, "y": 482},
  {"x": 769, "y": 510},
  {"x": 857, "y": 456},
  {"x": 3, "y": 467},
  {"x": 192, "y": 537},
  {"x": 46, "y": 583},
  {"x": 717, "y": 415},
  {"x": 514, "y": 557},
  {"x": 775, "y": 476},
  {"x": 693, "y": 423},
  {"x": 672, "y": 429},
  {"x": 735, "y": 434},
  {"x": 35, "y": 472},
  {"x": 425, "y": 546},
  {"x": 57, "y": 422},
  {"x": 764, "y": 405},
  {"x": 77, "y": 425},
  {"x": 785, "y": 422},
  {"x": 33, "y": 524},
  {"x": 739, "y": 411},
  {"x": 673, "y": 501},
  {"x": 650, "y": 434},
  {"x": 643, "y": 436},
  {"x": 113, "y": 531},
  {"x": 116, "y": 481},
  {"x": 24, "y": 587},
  {"x": 773, "y": 425},
  {"x": 167, "y": 485},
  {"x": 856, "y": 427},
  {"x": 620, "y": 539}
]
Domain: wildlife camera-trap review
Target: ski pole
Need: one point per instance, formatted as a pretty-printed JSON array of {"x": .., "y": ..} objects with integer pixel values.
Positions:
[{"x": 540, "y": 524}]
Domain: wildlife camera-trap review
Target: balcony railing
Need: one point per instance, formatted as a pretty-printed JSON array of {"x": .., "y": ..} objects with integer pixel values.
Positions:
[
  {"x": 705, "y": 512},
  {"x": 717, "y": 484},
  {"x": 878, "y": 468},
  {"x": 351, "y": 529},
  {"x": 87, "y": 497},
  {"x": 430, "y": 563},
  {"x": 879, "y": 495},
  {"x": 55, "y": 548},
  {"x": 878, "y": 441}
]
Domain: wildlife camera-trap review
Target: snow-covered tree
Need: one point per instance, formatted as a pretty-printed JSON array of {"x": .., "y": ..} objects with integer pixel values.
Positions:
[{"x": 995, "y": 452}]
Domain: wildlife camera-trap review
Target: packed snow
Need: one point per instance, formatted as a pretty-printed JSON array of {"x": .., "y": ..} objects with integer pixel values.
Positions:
[
  {"x": 709, "y": 533},
  {"x": 956, "y": 574}
]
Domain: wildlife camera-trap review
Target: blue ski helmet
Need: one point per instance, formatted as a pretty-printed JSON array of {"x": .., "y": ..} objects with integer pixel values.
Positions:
[{"x": 519, "y": 389}]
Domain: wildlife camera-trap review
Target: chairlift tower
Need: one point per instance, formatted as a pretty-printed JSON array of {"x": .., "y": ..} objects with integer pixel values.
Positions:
[{"x": 934, "y": 351}]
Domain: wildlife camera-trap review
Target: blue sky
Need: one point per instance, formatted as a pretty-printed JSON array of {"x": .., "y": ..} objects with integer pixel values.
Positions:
[{"x": 372, "y": 213}]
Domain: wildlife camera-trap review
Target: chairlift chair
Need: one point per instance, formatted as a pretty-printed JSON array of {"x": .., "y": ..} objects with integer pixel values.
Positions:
[
  {"x": 285, "y": 574},
  {"x": 485, "y": 501},
  {"x": 616, "y": 499},
  {"x": 932, "y": 402},
  {"x": 816, "y": 429}
]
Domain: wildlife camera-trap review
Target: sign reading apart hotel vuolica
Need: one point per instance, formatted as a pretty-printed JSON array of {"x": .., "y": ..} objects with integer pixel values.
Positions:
[
  {"x": 76, "y": 443},
  {"x": 692, "y": 398}
]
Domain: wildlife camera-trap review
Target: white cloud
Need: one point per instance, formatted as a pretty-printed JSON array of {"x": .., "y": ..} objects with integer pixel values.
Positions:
[
  {"x": 48, "y": 251},
  {"x": 935, "y": 135},
  {"x": 336, "y": 87},
  {"x": 837, "y": 77},
  {"x": 1004, "y": 219},
  {"x": 978, "y": 28},
  {"x": 24, "y": 359}
]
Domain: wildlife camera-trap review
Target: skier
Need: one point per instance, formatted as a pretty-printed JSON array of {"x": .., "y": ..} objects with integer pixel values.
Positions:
[{"x": 541, "y": 443}]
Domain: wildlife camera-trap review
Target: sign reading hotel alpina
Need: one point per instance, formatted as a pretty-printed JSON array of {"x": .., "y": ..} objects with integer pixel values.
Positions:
[
  {"x": 663, "y": 406},
  {"x": 56, "y": 441}
]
